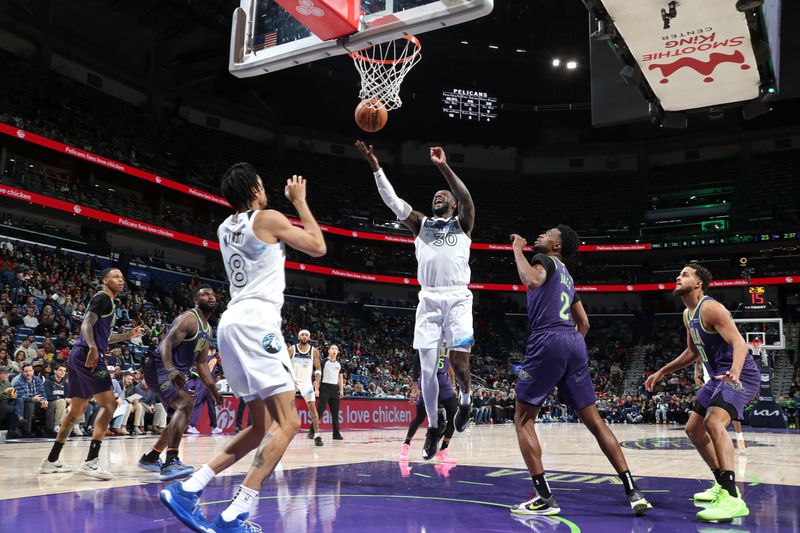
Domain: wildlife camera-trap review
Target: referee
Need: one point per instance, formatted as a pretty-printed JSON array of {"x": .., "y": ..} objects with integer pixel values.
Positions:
[{"x": 331, "y": 388}]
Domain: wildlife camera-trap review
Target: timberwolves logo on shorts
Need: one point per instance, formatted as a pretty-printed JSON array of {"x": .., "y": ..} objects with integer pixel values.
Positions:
[{"x": 272, "y": 343}]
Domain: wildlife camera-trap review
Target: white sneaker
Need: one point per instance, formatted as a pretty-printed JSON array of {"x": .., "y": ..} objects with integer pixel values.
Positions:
[
  {"x": 46, "y": 467},
  {"x": 77, "y": 431},
  {"x": 216, "y": 431},
  {"x": 92, "y": 469},
  {"x": 136, "y": 431},
  {"x": 192, "y": 429}
]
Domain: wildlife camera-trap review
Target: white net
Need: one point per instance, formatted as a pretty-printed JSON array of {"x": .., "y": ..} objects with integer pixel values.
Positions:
[{"x": 382, "y": 68}]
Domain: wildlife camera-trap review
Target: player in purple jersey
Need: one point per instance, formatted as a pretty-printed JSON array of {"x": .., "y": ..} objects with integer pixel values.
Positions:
[
  {"x": 447, "y": 400},
  {"x": 711, "y": 335},
  {"x": 186, "y": 344},
  {"x": 556, "y": 356},
  {"x": 89, "y": 376}
]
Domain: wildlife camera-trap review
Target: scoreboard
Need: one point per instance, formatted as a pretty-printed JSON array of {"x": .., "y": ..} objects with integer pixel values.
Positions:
[{"x": 474, "y": 106}]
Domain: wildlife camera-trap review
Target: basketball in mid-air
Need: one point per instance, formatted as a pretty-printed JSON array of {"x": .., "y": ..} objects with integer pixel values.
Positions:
[{"x": 371, "y": 115}]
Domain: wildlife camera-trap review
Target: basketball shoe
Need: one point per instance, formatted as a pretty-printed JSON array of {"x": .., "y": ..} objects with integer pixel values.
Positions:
[
  {"x": 240, "y": 524},
  {"x": 46, "y": 467},
  {"x": 185, "y": 506},
  {"x": 537, "y": 506},
  {"x": 724, "y": 507}
]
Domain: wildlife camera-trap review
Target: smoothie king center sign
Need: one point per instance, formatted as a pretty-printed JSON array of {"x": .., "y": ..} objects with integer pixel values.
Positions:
[{"x": 704, "y": 58}]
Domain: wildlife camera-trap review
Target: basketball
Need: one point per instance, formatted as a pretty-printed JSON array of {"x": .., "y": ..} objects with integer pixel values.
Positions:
[{"x": 371, "y": 115}]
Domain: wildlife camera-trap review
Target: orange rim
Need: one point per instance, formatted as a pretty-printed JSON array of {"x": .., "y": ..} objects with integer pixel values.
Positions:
[{"x": 413, "y": 40}]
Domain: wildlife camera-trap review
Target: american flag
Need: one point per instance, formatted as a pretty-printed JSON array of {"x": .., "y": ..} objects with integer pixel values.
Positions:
[{"x": 270, "y": 39}]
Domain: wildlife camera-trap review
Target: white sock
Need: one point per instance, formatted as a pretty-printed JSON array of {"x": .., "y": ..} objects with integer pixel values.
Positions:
[
  {"x": 466, "y": 398},
  {"x": 429, "y": 383},
  {"x": 316, "y": 435},
  {"x": 740, "y": 436},
  {"x": 199, "y": 479},
  {"x": 242, "y": 503}
]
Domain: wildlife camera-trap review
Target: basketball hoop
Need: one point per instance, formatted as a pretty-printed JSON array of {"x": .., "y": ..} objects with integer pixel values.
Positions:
[{"x": 382, "y": 68}]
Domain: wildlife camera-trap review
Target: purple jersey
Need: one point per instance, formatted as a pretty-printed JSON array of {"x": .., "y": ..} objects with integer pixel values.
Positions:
[
  {"x": 103, "y": 306},
  {"x": 548, "y": 306},
  {"x": 185, "y": 354},
  {"x": 716, "y": 353},
  {"x": 445, "y": 385}
]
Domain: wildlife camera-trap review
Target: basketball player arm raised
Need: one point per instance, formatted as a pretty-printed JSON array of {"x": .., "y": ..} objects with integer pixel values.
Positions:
[
  {"x": 186, "y": 327},
  {"x": 718, "y": 318},
  {"x": 532, "y": 276},
  {"x": 271, "y": 226},
  {"x": 686, "y": 358},
  {"x": 402, "y": 210},
  {"x": 466, "y": 207}
]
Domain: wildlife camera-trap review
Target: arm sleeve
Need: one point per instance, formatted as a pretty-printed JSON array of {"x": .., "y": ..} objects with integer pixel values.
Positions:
[
  {"x": 576, "y": 298},
  {"x": 547, "y": 262},
  {"x": 100, "y": 304},
  {"x": 416, "y": 367}
]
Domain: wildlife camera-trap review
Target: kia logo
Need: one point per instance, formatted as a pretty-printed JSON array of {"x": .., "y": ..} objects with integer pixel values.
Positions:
[
  {"x": 302, "y": 267},
  {"x": 76, "y": 208}
]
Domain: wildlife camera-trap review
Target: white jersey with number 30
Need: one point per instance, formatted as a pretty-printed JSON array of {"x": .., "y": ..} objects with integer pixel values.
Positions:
[
  {"x": 255, "y": 269},
  {"x": 442, "y": 253}
]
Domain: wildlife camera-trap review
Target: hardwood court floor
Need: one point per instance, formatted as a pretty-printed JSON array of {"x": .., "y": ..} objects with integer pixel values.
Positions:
[{"x": 358, "y": 484}]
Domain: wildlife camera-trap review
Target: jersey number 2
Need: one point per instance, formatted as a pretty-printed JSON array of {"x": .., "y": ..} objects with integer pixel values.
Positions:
[{"x": 564, "y": 313}]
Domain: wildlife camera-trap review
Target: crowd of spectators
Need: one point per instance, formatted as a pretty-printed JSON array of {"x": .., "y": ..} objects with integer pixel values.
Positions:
[{"x": 43, "y": 297}]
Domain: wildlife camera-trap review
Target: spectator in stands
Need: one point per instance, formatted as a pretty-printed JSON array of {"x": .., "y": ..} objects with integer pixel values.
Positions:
[
  {"x": 29, "y": 350},
  {"x": 8, "y": 404},
  {"x": 359, "y": 392},
  {"x": 133, "y": 393},
  {"x": 153, "y": 409},
  {"x": 13, "y": 317},
  {"x": 660, "y": 410},
  {"x": 76, "y": 318},
  {"x": 56, "y": 390},
  {"x": 634, "y": 414},
  {"x": 30, "y": 320},
  {"x": 30, "y": 398}
]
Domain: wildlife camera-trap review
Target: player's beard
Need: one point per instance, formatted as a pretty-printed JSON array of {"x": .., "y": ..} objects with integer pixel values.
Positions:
[
  {"x": 206, "y": 307},
  {"x": 681, "y": 291},
  {"x": 441, "y": 211}
]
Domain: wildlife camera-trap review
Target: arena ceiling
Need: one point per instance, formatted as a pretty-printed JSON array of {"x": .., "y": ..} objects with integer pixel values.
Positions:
[{"x": 179, "y": 49}]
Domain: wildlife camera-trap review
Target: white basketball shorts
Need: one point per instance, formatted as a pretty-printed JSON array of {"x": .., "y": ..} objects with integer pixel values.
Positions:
[
  {"x": 444, "y": 313},
  {"x": 254, "y": 355}
]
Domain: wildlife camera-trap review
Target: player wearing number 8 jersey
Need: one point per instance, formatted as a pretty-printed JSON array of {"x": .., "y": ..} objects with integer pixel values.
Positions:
[
  {"x": 556, "y": 356},
  {"x": 712, "y": 337},
  {"x": 257, "y": 365}
]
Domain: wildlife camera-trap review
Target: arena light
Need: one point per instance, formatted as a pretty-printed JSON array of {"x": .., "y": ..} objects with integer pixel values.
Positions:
[
  {"x": 464, "y": 42},
  {"x": 556, "y": 62},
  {"x": 493, "y": 46},
  {"x": 572, "y": 65},
  {"x": 521, "y": 50}
]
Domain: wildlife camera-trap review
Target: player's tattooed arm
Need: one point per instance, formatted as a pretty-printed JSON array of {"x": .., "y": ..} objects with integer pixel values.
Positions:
[
  {"x": 87, "y": 331},
  {"x": 186, "y": 327}
]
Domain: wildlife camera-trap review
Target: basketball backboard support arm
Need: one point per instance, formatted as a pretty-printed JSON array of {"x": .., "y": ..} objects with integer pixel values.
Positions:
[{"x": 264, "y": 38}]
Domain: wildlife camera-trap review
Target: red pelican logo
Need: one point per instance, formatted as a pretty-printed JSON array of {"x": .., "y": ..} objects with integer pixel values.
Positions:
[{"x": 701, "y": 67}]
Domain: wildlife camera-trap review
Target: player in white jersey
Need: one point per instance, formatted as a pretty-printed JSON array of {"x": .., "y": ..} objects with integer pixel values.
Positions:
[
  {"x": 256, "y": 360},
  {"x": 444, "y": 311},
  {"x": 305, "y": 359}
]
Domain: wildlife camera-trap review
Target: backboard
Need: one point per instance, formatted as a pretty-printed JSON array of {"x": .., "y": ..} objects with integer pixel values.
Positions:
[
  {"x": 265, "y": 38},
  {"x": 768, "y": 330}
]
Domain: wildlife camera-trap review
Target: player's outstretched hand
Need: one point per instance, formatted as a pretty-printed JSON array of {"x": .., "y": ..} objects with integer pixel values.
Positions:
[
  {"x": 369, "y": 154},
  {"x": 729, "y": 377},
  {"x": 651, "y": 381},
  {"x": 517, "y": 242},
  {"x": 295, "y": 189},
  {"x": 437, "y": 156}
]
